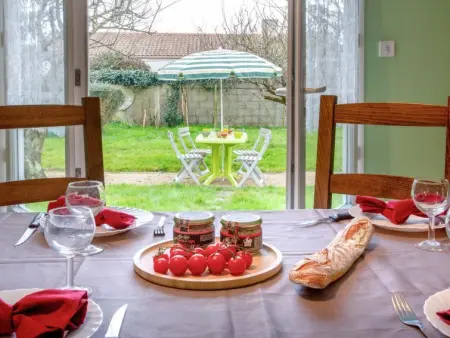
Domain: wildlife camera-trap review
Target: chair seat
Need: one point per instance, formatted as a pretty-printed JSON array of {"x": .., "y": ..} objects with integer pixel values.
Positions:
[
  {"x": 246, "y": 152},
  {"x": 247, "y": 158},
  {"x": 191, "y": 156},
  {"x": 203, "y": 152}
]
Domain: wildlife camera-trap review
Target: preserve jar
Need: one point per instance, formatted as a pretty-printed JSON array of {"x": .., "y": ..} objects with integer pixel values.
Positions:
[
  {"x": 243, "y": 230},
  {"x": 193, "y": 228}
]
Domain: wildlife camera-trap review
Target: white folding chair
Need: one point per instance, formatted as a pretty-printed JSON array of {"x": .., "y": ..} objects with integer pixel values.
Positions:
[
  {"x": 249, "y": 167},
  {"x": 253, "y": 151},
  {"x": 184, "y": 133},
  {"x": 190, "y": 163}
]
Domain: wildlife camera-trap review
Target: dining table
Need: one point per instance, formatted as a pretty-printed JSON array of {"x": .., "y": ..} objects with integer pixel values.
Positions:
[
  {"x": 216, "y": 143},
  {"x": 357, "y": 305}
]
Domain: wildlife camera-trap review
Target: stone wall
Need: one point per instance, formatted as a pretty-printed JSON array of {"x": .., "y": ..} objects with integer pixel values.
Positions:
[{"x": 243, "y": 105}]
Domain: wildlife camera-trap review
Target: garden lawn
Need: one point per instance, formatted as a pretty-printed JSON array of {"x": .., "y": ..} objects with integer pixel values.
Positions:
[
  {"x": 140, "y": 149},
  {"x": 178, "y": 197}
]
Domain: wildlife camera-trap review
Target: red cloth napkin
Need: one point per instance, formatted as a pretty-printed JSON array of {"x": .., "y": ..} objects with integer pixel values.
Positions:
[
  {"x": 44, "y": 314},
  {"x": 396, "y": 211},
  {"x": 445, "y": 316},
  {"x": 114, "y": 218},
  {"x": 76, "y": 199}
]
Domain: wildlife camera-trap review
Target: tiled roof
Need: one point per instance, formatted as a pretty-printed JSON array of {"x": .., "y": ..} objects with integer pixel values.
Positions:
[{"x": 154, "y": 45}]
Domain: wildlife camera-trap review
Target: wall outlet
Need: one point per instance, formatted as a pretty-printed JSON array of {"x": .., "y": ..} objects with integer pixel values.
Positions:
[{"x": 386, "y": 49}]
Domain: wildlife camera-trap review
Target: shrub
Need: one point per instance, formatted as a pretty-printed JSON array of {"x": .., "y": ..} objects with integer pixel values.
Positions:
[
  {"x": 125, "y": 77},
  {"x": 172, "y": 114},
  {"x": 110, "y": 100},
  {"x": 117, "y": 61}
]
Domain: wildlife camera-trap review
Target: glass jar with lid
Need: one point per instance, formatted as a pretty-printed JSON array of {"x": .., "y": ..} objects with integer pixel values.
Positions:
[
  {"x": 243, "y": 230},
  {"x": 193, "y": 228}
]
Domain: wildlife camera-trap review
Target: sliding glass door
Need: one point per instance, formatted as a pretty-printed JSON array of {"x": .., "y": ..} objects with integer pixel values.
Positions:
[
  {"x": 44, "y": 60},
  {"x": 36, "y": 67},
  {"x": 325, "y": 43}
]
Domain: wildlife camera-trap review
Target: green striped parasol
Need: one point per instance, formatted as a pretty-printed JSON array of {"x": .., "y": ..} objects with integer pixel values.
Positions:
[{"x": 219, "y": 64}]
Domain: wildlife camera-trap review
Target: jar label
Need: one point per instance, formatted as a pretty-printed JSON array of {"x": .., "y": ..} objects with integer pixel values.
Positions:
[
  {"x": 251, "y": 243},
  {"x": 199, "y": 239}
]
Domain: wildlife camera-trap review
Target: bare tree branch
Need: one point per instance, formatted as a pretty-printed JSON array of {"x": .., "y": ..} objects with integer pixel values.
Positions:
[{"x": 260, "y": 29}]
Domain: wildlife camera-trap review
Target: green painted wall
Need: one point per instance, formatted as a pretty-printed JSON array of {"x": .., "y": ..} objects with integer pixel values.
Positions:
[{"x": 419, "y": 73}]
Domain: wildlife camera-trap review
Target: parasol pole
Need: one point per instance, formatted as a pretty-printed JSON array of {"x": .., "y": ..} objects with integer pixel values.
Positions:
[{"x": 221, "y": 105}]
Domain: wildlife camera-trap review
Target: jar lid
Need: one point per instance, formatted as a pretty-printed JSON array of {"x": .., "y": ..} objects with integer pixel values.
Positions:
[
  {"x": 194, "y": 217},
  {"x": 243, "y": 219}
]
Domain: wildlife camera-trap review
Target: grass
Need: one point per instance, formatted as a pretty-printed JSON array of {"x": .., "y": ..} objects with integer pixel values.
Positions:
[
  {"x": 132, "y": 148},
  {"x": 178, "y": 197}
]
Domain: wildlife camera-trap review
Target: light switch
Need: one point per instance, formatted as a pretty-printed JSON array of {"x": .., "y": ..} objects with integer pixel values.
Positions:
[{"x": 386, "y": 49}]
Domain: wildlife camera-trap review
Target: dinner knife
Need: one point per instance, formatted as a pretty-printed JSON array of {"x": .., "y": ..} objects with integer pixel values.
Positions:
[
  {"x": 116, "y": 323},
  {"x": 330, "y": 219},
  {"x": 31, "y": 228}
]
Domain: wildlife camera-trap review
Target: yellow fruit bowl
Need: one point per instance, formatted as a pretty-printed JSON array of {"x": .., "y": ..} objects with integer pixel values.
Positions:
[{"x": 238, "y": 134}]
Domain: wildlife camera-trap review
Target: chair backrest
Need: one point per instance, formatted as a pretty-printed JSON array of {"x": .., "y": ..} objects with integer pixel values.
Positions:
[
  {"x": 184, "y": 133},
  {"x": 390, "y": 114},
  {"x": 35, "y": 116},
  {"x": 173, "y": 144},
  {"x": 260, "y": 139},
  {"x": 266, "y": 136}
]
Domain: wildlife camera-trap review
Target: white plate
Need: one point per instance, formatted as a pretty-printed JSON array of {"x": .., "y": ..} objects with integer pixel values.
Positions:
[
  {"x": 435, "y": 303},
  {"x": 413, "y": 223},
  {"x": 142, "y": 217},
  {"x": 94, "y": 315}
]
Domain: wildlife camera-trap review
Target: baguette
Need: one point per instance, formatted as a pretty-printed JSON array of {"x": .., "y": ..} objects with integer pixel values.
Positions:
[{"x": 326, "y": 266}]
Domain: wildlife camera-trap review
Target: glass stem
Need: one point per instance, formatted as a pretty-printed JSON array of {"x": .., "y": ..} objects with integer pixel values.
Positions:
[
  {"x": 431, "y": 235},
  {"x": 69, "y": 272}
]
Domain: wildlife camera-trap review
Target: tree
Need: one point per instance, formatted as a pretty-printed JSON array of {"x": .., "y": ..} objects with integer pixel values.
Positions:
[
  {"x": 260, "y": 29},
  {"x": 36, "y": 52},
  {"x": 123, "y": 15}
]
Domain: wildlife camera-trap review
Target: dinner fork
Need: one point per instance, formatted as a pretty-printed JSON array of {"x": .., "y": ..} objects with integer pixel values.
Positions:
[
  {"x": 159, "y": 231},
  {"x": 404, "y": 312}
]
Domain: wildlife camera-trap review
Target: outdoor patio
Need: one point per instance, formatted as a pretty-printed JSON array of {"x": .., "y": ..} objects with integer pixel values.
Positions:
[{"x": 140, "y": 166}]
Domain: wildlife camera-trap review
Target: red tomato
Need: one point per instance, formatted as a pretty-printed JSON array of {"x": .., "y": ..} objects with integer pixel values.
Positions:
[
  {"x": 237, "y": 266},
  {"x": 180, "y": 252},
  {"x": 247, "y": 256},
  {"x": 188, "y": 253},
  {"x": 159, "y": 256},
  {"x": 161, "y": 265},
  {"x": 199, "y": 251},
  {"x": 178, "y": 265},
  {"x": 216, "y": 263},
  {"x": 176, "y": 246},
  {"x": 197, "y": 264},
  {"x": 227, "y": 251},
  {"x": 210, "y": 249}
]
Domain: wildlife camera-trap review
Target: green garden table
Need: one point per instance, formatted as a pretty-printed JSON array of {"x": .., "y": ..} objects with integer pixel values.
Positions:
[{"x": 216, "y": 142}]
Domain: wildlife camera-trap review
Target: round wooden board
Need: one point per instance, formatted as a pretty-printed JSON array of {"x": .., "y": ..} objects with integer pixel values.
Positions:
[{"x": 266, "y": 264}]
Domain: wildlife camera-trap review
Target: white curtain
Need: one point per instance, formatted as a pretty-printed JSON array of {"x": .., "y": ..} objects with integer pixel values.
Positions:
[
  {"x": 34, "y": 38},
  {"x": 332, "y": 28}
]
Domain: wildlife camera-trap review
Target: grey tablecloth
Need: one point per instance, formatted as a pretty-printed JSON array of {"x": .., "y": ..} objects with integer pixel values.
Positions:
[{"x": 358, "y": 305}]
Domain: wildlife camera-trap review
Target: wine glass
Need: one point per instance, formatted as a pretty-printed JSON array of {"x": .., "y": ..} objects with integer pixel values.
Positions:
[
  {"x": 70, "y": 230},
  {"x": 90, "y": 194},
  {"x": 430, "y": 195}
]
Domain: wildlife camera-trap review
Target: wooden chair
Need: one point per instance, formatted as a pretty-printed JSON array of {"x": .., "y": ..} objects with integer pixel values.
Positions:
[
  {"x": 34, "y": 116},
  {"x": 390, "y": 114}
]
